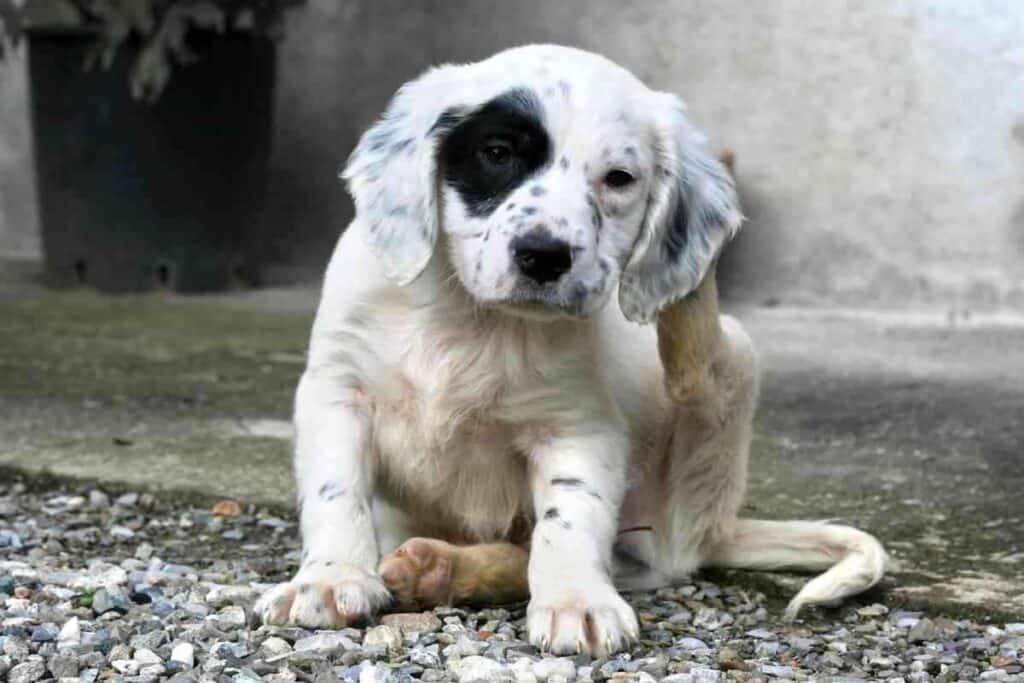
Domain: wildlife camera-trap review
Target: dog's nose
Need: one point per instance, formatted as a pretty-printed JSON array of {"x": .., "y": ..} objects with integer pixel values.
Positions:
[{"x": 541, "y": 257}]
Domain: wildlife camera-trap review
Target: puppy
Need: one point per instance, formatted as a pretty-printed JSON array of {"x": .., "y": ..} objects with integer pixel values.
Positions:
[{"x": 476, "y": 409}]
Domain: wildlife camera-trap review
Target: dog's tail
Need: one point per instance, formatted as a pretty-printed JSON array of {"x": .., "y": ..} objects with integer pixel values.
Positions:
[{"x": 852, "y": 560}]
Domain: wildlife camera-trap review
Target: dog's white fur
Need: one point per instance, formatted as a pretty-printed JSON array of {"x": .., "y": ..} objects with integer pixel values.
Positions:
[{"x": 437, "y": 403}]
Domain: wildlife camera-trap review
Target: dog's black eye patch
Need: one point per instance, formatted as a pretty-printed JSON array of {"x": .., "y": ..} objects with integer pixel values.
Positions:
[{"x": 493, "y": 150}]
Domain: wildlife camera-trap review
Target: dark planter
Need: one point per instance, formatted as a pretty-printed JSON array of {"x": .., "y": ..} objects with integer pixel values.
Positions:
[{"x": 136, "y": 196}]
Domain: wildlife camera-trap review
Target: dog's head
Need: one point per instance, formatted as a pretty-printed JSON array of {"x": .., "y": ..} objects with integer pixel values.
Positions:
[{"x": 548, "y": 175}]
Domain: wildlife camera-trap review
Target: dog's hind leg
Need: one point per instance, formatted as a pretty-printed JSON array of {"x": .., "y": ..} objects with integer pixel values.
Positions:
[
  {"x": 711, "y": 380},
  {"x": 425, "y": 572}
]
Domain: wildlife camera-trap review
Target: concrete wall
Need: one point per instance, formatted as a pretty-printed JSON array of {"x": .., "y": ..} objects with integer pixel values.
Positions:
[{"x": 880, "y": 144}]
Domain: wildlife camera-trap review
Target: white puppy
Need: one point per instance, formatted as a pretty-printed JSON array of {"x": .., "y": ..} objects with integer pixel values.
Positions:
[{"x": 468, "y": 377}]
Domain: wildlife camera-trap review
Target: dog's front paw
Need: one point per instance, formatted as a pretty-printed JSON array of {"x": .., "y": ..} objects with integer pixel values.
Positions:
[
  {"x": 324, "y": 595},
  {"x": 596, "y": 622}
]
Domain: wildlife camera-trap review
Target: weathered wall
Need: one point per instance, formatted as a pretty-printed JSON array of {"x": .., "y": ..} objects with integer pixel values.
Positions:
[{"x": 880, "y": 144}]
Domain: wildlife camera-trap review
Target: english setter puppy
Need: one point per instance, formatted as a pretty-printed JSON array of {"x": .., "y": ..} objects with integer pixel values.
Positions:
[{"x": 478, "y": 413}]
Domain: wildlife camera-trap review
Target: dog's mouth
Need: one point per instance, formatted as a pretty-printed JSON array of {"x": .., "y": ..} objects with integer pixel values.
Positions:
[
  {"x": 536, "y": 310},
  {"x": 576, "y": 302}
]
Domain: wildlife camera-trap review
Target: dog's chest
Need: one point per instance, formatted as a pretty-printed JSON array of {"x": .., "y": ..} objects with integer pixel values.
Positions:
[{"x": 447, "y": 439}]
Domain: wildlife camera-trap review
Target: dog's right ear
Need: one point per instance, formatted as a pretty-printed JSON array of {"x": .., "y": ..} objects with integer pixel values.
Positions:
[{"x": 392, "y": 176}]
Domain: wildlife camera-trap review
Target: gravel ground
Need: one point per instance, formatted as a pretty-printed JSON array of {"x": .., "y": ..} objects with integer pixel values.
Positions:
[{"x": 130, "y": 588}]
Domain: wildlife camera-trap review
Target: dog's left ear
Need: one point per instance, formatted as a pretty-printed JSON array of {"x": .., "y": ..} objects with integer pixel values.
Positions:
[
  {"x": 392, "y": 176},
  {"x": 692, "y": 213}
]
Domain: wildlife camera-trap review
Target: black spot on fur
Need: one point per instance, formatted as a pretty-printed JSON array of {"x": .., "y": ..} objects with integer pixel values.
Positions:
[
  {"x": 537, "y": 191},
  {"x": 563, "y": 222},
  {"x": 529, "y": 210},
  {"x": 552, "y": 515},
  {"x": 330, "y": 490},
  {"x": 676, "y": 236},
  {"x": 511, "y": 205},
  {"x": 572, "y": 482},
  {"x": 624, "y": 555},
  {"x": 563, "y": 163},
  {"x": 512, "y": 121},
  {"x": 405, "y": 144},
  {"x": 596, "y": 218},
  {"x": 446, "y": 121}
]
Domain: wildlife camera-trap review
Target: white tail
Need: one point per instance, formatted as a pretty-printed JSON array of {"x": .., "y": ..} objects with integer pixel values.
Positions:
[{"x": 852, "y": 560}]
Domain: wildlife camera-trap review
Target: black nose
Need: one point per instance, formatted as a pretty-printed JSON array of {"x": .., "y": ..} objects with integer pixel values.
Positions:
[{"x": 541, "y": 257}]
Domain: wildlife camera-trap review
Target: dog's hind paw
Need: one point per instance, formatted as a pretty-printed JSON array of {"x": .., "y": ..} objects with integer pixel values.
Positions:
[{"x": 419, "y": 572}]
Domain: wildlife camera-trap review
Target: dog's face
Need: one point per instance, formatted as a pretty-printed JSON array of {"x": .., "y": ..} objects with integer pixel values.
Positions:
[{"x": 549, "y": 176}]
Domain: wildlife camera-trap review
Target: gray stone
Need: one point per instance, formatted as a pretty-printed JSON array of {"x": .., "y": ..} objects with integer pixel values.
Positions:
[
  {"x": 388, "y": 636},
  {"x": 45, "y": 633},
  {"x": 27, "y": 672},
  {"x": 110, "y": 599},
  {"x": 692, "y": 644},
  {"x": 413, "y": 622},
  {"x": 274, "y": 647},
  {"x": 924, "y": 631},
  {"x": 229, "y": 618},
  {"x": 63, "y": 666}
]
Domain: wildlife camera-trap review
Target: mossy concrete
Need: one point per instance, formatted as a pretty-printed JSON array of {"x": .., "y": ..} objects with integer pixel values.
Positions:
[{"x": 905, "y": 425}]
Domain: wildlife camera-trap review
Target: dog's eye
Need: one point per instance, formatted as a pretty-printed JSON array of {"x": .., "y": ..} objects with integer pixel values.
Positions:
[
  {"x": 618, "y": 178},
  {"x": 496, "y": 153}
]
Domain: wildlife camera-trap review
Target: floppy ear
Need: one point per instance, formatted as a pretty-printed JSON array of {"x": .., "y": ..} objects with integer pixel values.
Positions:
[
  {"x": 692, "y": 213},
  {"x": 392, "y": 176}
]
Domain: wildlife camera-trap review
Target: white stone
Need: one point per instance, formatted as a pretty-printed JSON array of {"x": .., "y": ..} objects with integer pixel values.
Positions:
[
  {"x": 325, "y": 641},
  {"x": 70, "y": 633},
  {"x": 223, "y": 595},
  {"x": 147, "y": 657},
  {"x": 185, "y": 653},
  {"x": 373, "y": 674},
  {"x": 561, "y": 666},
  {"x": 128, "y": 667},
  {"x": 274, "y": 647},
  {"x": 476, "y": 669}
]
